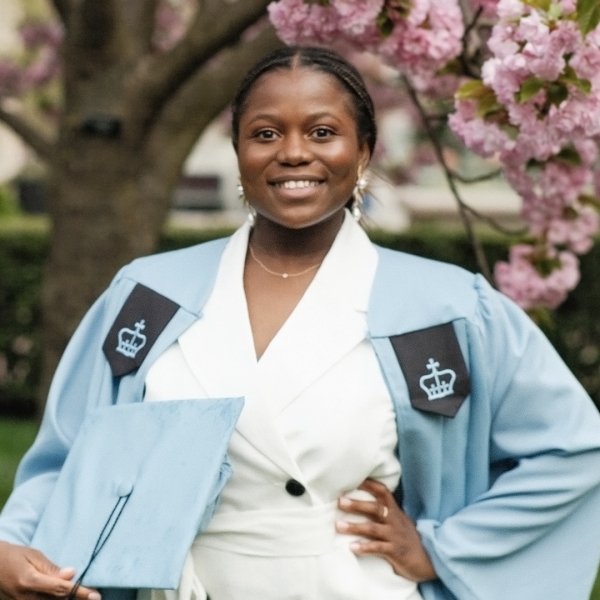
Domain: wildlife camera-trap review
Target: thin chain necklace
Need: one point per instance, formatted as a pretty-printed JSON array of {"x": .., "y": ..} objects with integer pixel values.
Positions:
[{"x": 283, "y": 275}]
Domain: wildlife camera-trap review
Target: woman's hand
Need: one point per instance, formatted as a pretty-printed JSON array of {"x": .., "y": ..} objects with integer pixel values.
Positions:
[
  {"x": 26, "y": 574},
  {"x": 391, "y": 534}
]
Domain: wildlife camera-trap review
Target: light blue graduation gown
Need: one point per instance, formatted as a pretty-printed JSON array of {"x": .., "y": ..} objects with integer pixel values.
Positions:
[{"x": 505, "y": 494}]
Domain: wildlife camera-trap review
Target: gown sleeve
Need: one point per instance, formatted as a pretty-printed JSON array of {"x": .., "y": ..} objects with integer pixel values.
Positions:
[
  {"x": 534, "y": 534},
  {"x": 77, "y": 383}
]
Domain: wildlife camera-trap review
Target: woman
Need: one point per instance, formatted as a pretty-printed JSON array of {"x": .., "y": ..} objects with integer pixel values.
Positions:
[{"x": 352, "y": 360}]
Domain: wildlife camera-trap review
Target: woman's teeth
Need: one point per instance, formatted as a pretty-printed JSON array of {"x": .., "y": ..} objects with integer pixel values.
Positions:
[{"x": 293, "y": 185}]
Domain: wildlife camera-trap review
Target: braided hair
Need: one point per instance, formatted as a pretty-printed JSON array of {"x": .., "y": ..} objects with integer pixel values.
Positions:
[{"x": 321, "y": 59}]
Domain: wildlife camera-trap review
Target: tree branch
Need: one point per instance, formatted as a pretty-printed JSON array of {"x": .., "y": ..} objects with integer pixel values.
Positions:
[
  {"x": 477, "y": 178},
  {"x": 216, "y": 25},
  {"x": 63, "y": 9},
  {"x": 29, "y": 134},
  {"x": 463, "y": 208},
  {"x": 95, "y": 33},
  {"x": 495, "y": 225},
  {"x": 139, "y": 17}
]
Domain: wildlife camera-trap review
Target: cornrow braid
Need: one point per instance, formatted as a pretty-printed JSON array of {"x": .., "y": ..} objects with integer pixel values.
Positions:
[{"x": 324, "y": 60}]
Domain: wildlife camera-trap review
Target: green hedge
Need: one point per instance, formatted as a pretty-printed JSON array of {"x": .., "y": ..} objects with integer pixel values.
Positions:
[{"x": 575, "y": 327}]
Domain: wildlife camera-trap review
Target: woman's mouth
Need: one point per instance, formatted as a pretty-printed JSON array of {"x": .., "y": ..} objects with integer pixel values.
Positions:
[{"x": 293, "y": 184}]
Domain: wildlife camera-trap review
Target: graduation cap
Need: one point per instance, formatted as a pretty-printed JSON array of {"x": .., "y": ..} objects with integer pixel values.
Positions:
[{"x": 139, "y": 482}]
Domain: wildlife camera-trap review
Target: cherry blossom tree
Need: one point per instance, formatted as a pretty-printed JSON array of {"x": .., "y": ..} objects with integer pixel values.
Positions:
[
  {"x": 135, "y": 83},
  {"x": 522, "y": 78}
]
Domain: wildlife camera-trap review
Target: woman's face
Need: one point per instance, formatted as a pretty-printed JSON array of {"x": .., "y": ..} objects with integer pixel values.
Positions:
[{"x": 298, "y": 148}]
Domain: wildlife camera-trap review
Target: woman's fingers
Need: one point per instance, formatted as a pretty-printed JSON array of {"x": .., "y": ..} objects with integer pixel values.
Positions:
[
  {"x": 52, "y": 585},
  {"x": 372, "y": 510},
  {"x": 368, "y": 529},
  {"x": 26, "y": 574},
  {"x": 378, "y": 490},
  {"x": 388, "y": 532}
]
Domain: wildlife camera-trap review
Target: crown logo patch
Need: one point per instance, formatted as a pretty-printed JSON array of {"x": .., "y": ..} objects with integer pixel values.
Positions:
[
  {"x": 437, "y": 384},
  {"x": 131, "y": 341}
]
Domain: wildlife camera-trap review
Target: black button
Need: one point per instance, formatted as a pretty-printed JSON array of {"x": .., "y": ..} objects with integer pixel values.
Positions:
[{"x": 294, "y": 488}]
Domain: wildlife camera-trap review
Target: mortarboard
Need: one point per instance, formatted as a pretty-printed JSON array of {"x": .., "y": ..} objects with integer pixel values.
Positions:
[{"x": 137, "y": 484}]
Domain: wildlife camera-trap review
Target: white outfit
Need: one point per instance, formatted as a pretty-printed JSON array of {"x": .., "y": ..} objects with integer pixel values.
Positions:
[{"x": 317, "y": 410}]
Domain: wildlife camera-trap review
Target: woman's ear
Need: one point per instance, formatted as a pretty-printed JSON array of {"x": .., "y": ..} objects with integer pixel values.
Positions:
[{"x": 364, "y": 157}]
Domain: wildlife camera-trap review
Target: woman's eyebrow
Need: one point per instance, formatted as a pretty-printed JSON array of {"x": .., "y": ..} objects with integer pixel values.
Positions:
[{"x": 309, "y": 117}]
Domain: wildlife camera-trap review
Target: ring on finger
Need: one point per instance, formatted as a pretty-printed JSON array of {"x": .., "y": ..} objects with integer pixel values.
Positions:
[{"x": 385, "y": 513}]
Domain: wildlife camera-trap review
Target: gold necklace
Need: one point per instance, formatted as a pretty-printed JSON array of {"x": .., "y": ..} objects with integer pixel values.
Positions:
[{"x": 283, "y": 275}]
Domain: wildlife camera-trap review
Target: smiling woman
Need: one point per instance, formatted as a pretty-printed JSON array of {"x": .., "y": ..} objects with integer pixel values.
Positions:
[
  {"x": 298, "y": 149},
  {"x": 407, "y": 433}
]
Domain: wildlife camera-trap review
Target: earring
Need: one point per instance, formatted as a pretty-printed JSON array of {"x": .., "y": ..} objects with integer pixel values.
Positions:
[
  {"x": 359, "y": 196},
  {"x": 244, "y": 200}
]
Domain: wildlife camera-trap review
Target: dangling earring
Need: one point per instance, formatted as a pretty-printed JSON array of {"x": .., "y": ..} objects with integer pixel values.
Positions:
[
  {"x": 244, "y": 200},
  {"x": 359, "y": 196}
]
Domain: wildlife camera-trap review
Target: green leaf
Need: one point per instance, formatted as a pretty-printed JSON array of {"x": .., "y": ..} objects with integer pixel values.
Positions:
[
  {"x": 570, "y": 213},
  {"x": 529, "y": 88},
  {"x": 569, "y": 76},
  {"x": 569, "y": 155},
  {"x": 534, "y": 165},
  {"x": 583, "y": 85},
  {"x": 541, "y": 317},
  {"x": 544, "y": 266},
  {"x": 589, "y": 200},
  {"x": 402, "y": 7},
  {"x": 324, "y": 3},
  {"x": 488, "y": 105},
  {"x": 452, "y": 67},
  {"x": 588, "y": 15},
  {"x": 472, "y": 90},
  {"x": 384, "y": 23},
  {"x": 511, "y": 130},
  {"x": 538, "y": 4},
  {"x": 487, "y": 102},
  {"x": 557, "y": 93}
]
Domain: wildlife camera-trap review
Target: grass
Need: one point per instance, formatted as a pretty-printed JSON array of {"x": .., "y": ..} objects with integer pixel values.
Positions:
[{"x": 17, "y": 436}]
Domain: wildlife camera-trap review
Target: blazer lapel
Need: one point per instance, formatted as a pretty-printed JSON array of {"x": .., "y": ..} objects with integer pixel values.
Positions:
[
  {"x": 317, "y": 335},
  {"x": 328, "y": 322}
]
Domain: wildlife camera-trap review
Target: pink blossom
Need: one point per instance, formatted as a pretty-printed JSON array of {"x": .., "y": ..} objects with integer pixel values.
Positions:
[
  {"x": 483, "y": 137},
  {"x": 41, "y": 33},
  {"x": 520, "y": 280},
  {"x": 171, "y": 22},
  {"x": 575, "y": 232},
  {"x": 547, "y": 190},
  {"x": 43, "y": 70},
  {"x": 297, "y": 22},
  {"x": 509, "y": 10},
  {"x": 419, "y": 44},
  {"x": 357, "y": 16},
  {"x": 425, "y": 41},
  {"x": 568, "y": 6},
  {"x": 489, "y": 7},
  {"x": 11, "y": 78}
]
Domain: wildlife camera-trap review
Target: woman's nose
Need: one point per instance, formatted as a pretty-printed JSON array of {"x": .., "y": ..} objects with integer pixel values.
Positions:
[{"x": 294, "y": 150}]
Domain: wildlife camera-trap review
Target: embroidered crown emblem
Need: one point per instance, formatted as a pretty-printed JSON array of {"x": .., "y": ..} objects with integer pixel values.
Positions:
[
  {"x": 131, "y": 341},
  {"x": 437, "y": 384}
]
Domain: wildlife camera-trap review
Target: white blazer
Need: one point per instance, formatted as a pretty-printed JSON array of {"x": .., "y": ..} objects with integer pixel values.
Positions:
[{"x": 317, "y": 411}]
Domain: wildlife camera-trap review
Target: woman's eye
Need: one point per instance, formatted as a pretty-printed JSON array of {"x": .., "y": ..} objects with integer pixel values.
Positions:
[
  {"x": 266, "y": 134},
  {"x": 322, "y": 132}
]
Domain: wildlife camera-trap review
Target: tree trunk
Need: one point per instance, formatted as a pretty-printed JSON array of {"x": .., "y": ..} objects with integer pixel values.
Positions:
[
  {"x": 100, "y": 222},
  {"x": 117, "y": 162}
]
